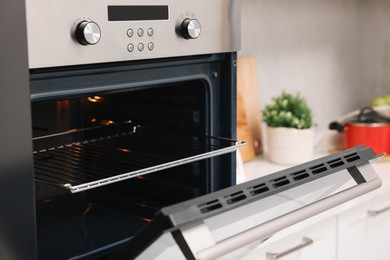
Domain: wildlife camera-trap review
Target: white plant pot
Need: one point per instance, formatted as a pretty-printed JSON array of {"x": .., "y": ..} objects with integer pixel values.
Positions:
[{"x": 290, "y": 146}]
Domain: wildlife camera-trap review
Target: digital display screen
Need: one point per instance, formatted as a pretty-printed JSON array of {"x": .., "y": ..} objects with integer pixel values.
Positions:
[{"x": 137, "y": 12}]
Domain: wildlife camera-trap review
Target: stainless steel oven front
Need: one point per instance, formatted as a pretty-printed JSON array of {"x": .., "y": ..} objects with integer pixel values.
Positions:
[{"x": 62, "y": 33}]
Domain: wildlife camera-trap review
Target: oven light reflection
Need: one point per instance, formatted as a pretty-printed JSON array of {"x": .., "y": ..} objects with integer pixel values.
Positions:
[
  {"x": 88, "y": 209},
  {"x": 124, "y": 150},
  {"x": 102, "y": 122},
  {"x": 95, "y": 99},
  {"x": 107, "y": 122},
  {"x": 146, "y": 219}
]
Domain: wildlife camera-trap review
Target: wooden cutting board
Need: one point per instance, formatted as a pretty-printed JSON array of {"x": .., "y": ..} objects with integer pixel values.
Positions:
[
  {"x": 244, "y": 133},
  {"x": 248, "y": 109}
]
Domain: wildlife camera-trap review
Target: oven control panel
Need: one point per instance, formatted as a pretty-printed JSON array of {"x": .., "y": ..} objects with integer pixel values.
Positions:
[{"x": 124, "y": 30}]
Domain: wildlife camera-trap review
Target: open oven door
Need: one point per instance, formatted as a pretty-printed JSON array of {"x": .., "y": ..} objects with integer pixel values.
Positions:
[{"x": 231, "y": 222}]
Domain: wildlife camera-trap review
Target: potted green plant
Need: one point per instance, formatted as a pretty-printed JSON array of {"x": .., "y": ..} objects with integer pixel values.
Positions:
[{"x": 290, "y": 129}]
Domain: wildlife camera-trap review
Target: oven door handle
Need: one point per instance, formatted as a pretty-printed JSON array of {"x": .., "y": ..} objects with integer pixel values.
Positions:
[{"x": 211, "y": 250}]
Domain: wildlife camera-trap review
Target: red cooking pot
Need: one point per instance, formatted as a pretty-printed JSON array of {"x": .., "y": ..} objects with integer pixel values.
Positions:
[{"x": 367, "y": 128}]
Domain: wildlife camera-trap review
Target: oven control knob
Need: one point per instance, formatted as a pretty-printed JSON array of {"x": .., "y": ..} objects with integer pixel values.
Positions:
[
  {"x": 88, "y": 33},
  {"x": 190, "y": 28}
]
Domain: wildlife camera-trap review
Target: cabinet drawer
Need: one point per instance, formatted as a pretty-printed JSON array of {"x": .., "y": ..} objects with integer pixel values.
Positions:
[
  {"x": 364, "y": 230},
  {"x": 316, "y": 242}
]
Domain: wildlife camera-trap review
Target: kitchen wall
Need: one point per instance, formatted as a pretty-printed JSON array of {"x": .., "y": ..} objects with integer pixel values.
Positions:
[{"x": 335, "y": 52}]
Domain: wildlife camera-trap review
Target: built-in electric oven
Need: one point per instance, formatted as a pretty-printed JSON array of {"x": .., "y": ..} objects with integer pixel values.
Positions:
[{"x": 133, "y": 109}]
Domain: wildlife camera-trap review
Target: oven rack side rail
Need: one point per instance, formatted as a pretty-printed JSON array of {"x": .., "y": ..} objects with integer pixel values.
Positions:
[{"x": 102, "y": 156}]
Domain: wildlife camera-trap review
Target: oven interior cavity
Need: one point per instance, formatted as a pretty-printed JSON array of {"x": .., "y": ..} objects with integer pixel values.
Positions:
[{"x": 105, "y": 163}]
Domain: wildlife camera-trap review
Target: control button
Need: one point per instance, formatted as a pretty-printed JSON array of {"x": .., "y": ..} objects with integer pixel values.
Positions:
[
  {"x": 150, "y": 46},
  {"x": 130, "y": 33},
  {"x": 150, "y": 32},
  {"x": 130, "y": 47},
  {"x": 190, "y": 28},
  {"x": 140, "y": 32},
  {"x": 88, "y": 33},
  {"x": 141, "y": 47}
]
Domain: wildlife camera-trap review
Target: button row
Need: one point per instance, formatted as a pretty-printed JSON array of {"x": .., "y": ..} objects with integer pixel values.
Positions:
[
  {"x": 140, "y": 32},
  {"x": 140, "y": 47}
]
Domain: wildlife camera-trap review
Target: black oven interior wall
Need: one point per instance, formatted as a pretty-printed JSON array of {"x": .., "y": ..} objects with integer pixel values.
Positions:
[{"x": 192, "y": 96}]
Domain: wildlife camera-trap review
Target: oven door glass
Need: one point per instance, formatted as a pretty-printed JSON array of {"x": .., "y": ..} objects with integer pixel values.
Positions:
[{"x": 249, "y": 220}]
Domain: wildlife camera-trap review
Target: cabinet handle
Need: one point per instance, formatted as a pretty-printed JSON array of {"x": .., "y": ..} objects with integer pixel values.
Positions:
[
  {"x": 305, "y": 242},
  {"x": 374, "y": 213}
]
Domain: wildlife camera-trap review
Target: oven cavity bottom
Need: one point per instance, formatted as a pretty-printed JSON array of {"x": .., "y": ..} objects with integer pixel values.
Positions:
[{"x": 77, "y": 225}]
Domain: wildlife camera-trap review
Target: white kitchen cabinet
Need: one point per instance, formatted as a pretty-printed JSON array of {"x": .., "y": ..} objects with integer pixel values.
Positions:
[
  {"x": 346, "y": 232},
  {"x": 364, "y": 231},
  {"x": 317, "y": 242}
]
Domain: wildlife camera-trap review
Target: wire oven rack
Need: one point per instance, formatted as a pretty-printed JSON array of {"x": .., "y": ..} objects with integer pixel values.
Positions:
[{"x": 90, "y": 158}]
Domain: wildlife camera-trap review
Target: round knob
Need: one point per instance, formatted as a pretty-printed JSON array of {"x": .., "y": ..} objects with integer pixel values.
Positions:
[
  {"x": 190, "y": 28},
  {"x": 88, "y": 33}
]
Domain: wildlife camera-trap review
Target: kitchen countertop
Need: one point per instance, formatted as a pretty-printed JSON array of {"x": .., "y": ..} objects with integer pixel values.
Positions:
[{"x": 260, "y": 167}]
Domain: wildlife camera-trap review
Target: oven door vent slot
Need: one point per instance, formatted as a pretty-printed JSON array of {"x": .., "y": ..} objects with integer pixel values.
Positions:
[
  {"x": 318, "y": 168},
  {"x": 300, "y": 175},
  {"x": 235, "y": 197},
  {"x": 352, "y": 157},
  {"x": 258, "y": 189},
  {"x": 105, "y": 155},
  {"x": 335, "y": 163},
  {"x": 279, "y": 182},
  {"x": 210, "y": 206}
]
